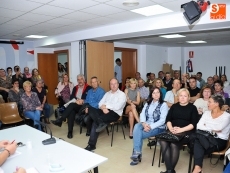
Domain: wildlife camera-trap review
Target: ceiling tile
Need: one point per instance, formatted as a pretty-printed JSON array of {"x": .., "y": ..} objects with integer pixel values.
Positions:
[
  {"x": 22, "y": 6},
  {"x": 127, "y": 15},
  {"x": 17, "y": 22},
  {"x": 102, "y": 0},
  {"x": 80, "y": 16},
  {"x": 41, "y": 1},
  {"x": 4, "y": 19},
  {"x": 103, "y": 20},
  {"x": 174, "y": 5},
  {"x": 35, "y": 17},
  {"x": 162, "y": 1},
  {"x": 63, "y": 21},
  {"x": 102, "y": 10},
  {"x": 10, "y": 13},
  {"x": 47, "y": 25},
  {"x": 52, "y": 11},
  {"x": 74, "y": 4},
  {"x": 119, "y": 4}
]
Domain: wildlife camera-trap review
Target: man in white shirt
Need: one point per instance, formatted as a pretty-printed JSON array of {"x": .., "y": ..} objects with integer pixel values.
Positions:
[
  {"x": 118, "y": 72},
  {"x": 171, "y": 96},
  {"x": 111, "y": 108}
]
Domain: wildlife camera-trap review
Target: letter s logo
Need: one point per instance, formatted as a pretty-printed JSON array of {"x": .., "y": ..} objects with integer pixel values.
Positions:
[{"x": 215, "y": 8}]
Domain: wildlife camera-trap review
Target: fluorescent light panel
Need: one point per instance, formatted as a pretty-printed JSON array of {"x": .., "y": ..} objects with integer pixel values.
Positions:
[
  {"x": 36, "y": 36},
  {"x": 152, "y": 10},
  {"x": 172, "y": 36},
  {"x": 195, "y": 42}
]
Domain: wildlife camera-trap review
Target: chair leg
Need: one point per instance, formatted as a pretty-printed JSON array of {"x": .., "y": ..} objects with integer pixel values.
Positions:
[
  {"x": 80, "y": 129},
  {"x": 123, "y": 130},
  {"x": 117, "y": 127},
  {"x": 107, "y": 130},
  {"x": 154, "y": 153},
  {"x": 160, "y": 157},
  {"x": 190, "y": 163},
  {"x": 112, "y": 128},
  {"x": 149, "y": 144}
]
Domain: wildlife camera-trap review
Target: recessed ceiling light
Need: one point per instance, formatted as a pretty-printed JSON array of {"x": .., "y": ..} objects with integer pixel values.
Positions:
[
  {"x": 198, "y": 41},
  {"x": 36, "y": 36},
  {"x": 130, "y": 3},
  {"x": 172, "y": 36},
  {"x": 152, "y": 10}
]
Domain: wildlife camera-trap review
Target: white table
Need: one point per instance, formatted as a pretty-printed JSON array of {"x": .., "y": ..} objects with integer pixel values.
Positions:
[{"x": 73, "y": 158}]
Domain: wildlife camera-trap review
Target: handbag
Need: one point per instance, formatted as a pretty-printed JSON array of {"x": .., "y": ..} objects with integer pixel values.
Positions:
[{"x": 170, "y": 137}]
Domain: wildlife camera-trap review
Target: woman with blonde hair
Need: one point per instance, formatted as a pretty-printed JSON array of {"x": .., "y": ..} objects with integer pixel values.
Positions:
[
  {"x": 133, "y": 100},
  {"x": 182, "y": 118},
  {"x": 35, "y": 76},
  {"x": 160, "y": 84},
  {"x": 31, "y": 104}
]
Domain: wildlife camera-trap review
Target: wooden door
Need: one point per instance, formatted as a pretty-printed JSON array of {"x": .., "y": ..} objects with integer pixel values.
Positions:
[
  {"x": 129, "y": 64},
  {"x": 99, "y": 62},
  {"x": 47, "y": 66}
]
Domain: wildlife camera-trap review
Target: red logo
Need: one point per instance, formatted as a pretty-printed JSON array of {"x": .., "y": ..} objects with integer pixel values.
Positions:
[{"x": 218, "y": 11}]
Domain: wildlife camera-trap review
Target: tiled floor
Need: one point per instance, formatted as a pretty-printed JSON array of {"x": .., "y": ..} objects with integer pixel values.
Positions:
[{"x": 119, "y": 154}]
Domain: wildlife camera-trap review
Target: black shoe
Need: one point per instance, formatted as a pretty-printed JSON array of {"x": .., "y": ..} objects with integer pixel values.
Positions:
[
  {"x": 36, "y": 126},
  {"x": 101, "y": 127},
  {"x": 90, "y": 147},
  {"x": 70, "y": 135},
  {"x": 87, "y": 134},
  {"x": 152, "y": 143},
  {"x": 169, "y": 171},
  {"x": 130, "y": 137},
  {"x": 57, "y": 122}
]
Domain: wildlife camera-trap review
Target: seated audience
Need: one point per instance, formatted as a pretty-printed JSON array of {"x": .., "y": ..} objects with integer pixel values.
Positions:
[
  {"x": 149, "y": 83},
  {"x": 144, "y": 91},
  {"x": 171, "y": 96},
  {"x": 194, "y": 91},
  {"x": 41, "y": 93},
  {"x": 161, "y": 75},
  {"x": 218, "y": 88},
  {"x": 31, "y": 104},
  {"x": 182, "y": 117},
  {"x": 15, "y": 94},
  {"x": 27, "y": 75},
  {"x": 5, "y": 84},
  {"x": 176, "y": 74},
  {"x": 159, "y": 83},
  {"x": 79, "y": 93},
  {"x": 9, "y": 72},
  {"x": 224, "y": 79},
  {"x": 215, "y": 78},
  {"x": 185, "y": 80},
  {"x": 64, "y": 89},
  {"x": 111, "y": 108},
  {"x": 202, "y": 102},
  {"x": 35, "y": 76},
  {"x": 18, "y": 75},
  {"x": 61, "y": 72},
  {"x": 133, "y": 100},
  {"x": 168, "y": 81},
  {"x": 199, "y": 78},
  {"x": 126, "y": 86},
  {"x": 152, "y": 122},
  {"x": 138, "y": 76},
  {"x": 210, "y": 82},
  {"x": 216, "y": 121},
  {"x": 148, "y": 76}
]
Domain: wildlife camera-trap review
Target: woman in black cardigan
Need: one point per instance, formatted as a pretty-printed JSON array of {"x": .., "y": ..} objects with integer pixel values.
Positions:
[{"x": 182, "y": 117}]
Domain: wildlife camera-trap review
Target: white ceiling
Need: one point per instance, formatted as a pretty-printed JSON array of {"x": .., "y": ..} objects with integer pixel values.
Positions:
[{"x": 19, "y": 18}]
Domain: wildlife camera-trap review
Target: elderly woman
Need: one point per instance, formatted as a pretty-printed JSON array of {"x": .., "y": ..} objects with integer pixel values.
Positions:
[
  {"x": 41, "y": 92},
  {"x": 31, "y": 104},
  {"x": 64, "y": 89},
  {"x": 202, "y": 102},
  {"x": 216, "y": 121},
  {"x": 182, "y": 117},
  {"x": 133, "y": 100},
  {"x": 152, "y": 122},
  {"x": 159, "y": 83},
  {"x": 15, "y": 94}
]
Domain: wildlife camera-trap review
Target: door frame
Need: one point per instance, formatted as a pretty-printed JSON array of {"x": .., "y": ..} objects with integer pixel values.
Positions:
[{"x": 63, "y": 51}]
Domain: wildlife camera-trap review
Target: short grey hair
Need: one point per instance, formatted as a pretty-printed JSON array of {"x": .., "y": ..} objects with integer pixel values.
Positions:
[{"x": 82, "y": 76}]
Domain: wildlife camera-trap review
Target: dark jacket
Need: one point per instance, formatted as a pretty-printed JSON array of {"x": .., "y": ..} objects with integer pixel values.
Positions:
[{"x": 84, "y": 92}]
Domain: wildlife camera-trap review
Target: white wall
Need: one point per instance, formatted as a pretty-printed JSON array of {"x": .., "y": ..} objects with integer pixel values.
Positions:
[
  {"x": 62, "y": 58},
  {"x": 175, "y": 57}
]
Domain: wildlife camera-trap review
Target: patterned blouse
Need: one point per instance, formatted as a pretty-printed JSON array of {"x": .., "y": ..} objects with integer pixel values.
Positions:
[
  {"x": 15, "y": 96},
  {"x": 30, "y": 103},
  {"x": 5, "y": 83},
  {"x": 65, "y": 93}
]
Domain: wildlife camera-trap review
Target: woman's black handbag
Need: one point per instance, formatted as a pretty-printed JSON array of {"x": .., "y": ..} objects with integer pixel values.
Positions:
[{"x": 170, "y": 137}]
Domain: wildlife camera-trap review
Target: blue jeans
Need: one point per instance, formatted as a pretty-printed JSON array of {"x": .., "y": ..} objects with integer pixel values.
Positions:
[
  {"x": 227, "y": 169},
  {"x": 46, "y": 110},
  {"x": 139, "y": 134},
  {"x": 34, "y": 115}
]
